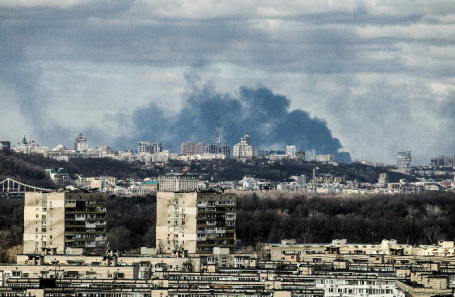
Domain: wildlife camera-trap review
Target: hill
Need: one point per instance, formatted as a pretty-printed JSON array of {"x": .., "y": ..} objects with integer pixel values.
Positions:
[{"x": 30, "y": 169}]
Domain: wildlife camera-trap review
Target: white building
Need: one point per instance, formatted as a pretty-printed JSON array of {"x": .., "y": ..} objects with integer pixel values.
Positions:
[
  {"x": 244, "y": 149},
  {"x": 175, "y": 182},
  {"x": 290, "y": 151}
]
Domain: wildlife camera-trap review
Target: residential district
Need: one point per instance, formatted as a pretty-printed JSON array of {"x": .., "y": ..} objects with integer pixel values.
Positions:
[
  {"x": 66, "y": 253},
  {"x": 152, "y": 154}
]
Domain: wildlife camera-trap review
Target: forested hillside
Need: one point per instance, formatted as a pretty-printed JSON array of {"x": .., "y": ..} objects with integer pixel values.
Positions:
[
  {"x": 29, "y": 169},
  {"x": 272, "y": 216}
]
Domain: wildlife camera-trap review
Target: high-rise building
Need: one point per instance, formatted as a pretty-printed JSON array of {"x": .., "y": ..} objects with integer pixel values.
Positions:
[
  {"x": 290, "y": 151},
  {"x": 65, "y": 220},
  {"x": 144, "y": 147},
  {"x": 81, "y": 144},
  {"x": 244, "y": 149},
  {"x": 148, "y": 147},
  {"x": 404, "y": 161},
  {"x": 188, "y": 148},
  {"x": 195, "y": 221},
  {"x": 218, "y": 149}
]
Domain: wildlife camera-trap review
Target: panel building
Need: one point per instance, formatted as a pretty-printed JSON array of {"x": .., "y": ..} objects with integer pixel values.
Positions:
[
  {"x": 148, "y": 147},
  {"x": 175, "y": 182},
  {"x": 65, "y": 221},
  {"x": 218, "y": 149},
  {"x": 404, "y": 161},
  {"x": 195, "y": 221}
]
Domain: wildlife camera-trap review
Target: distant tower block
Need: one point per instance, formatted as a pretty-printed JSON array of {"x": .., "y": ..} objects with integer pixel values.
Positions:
[{"x": 404, "y": 161}]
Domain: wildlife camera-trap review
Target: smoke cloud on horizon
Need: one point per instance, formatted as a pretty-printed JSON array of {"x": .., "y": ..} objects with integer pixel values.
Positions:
[{"x": 258, "y": 112}]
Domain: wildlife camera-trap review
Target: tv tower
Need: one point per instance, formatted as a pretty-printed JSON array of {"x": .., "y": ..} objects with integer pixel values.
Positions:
[{"x": 218, "y": 138}]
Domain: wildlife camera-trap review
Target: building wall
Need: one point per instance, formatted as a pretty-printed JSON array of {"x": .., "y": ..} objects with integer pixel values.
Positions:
[
  {"x": 60, "y": 220},
  {"x": 177, "y": 182},
  {"x": 176, "y": 221},
  {"x": 44, "y": 222},
  {"x": 196, "y": 221}
]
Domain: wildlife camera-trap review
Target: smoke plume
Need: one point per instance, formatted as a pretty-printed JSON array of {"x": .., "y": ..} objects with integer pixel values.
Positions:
[{"x": 258, "y": 112}]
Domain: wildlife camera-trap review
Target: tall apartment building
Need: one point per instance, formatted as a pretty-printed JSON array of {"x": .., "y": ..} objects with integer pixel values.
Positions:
[
  {"x": 290, "y": 151},
  {"x": 148, "y": 147},
  {"x": 218, "y": 149},
  {"x": 244, "y": 149},
  {"x": 195, "y": 221},
  {"x": 175, "y": 182},
  {"x": 404, "y": 161},
  {"x": 58, "y": 221},
  {"x": 80, "y": 143}
]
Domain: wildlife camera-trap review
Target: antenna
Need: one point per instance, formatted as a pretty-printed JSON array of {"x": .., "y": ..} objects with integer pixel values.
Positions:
[{"x": 218, "y": 138}]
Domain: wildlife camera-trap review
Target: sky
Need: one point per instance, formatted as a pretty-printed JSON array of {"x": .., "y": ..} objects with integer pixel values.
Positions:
[{"x": 370, "y": 78}]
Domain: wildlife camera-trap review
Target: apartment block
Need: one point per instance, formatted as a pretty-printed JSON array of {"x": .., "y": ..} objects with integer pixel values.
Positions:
[
  {"x": 175, "y": 182},
  {"x": 195, "y": 221},
  {"x": 65, "y": 221},
  {"x": 404, "y": 161}
]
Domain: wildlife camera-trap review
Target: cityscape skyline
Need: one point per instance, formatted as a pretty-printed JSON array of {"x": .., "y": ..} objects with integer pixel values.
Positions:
[
  {"x": 201, "y": 148},
  {"x": 364, "y": 77}
]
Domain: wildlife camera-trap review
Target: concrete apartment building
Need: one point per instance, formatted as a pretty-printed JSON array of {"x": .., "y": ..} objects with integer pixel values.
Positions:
[
  {"x": 195, "y": 221},
  {"x": 404, "y": 161},
  {"x": 64, "y": 222},
  {"x": 176, "y": 182}
]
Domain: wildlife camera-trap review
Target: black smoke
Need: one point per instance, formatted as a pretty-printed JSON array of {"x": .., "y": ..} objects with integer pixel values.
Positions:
[{"x": 258, "y": 112}]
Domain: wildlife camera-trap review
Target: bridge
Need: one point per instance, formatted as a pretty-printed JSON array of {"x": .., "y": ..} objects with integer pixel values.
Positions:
[{"x": 11, "y": 186}]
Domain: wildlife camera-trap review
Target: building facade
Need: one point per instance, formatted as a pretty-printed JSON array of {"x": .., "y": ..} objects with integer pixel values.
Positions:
[
  {"x": 404, "y": 161},
  {"x": 290, "y": 151},
  {"x": 80, "y": 143},
  {"x": 218, "y": 149},
  {"x": 58, "y": 221},
  {"x": 196, "y": 221},
  {"x": 175, "y": 182},
  {"x": 243, "y": 149}
]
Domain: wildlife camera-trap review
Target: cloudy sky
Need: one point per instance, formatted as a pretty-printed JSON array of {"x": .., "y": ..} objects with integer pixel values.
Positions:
[{"x": 366, "y": 77}]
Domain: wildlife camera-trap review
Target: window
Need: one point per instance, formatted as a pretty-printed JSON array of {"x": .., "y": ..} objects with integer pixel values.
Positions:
[{"x": 37, "y": 216}]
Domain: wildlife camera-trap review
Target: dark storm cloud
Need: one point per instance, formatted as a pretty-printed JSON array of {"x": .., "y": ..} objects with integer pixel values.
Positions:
[{"x": 258, "y": 112}]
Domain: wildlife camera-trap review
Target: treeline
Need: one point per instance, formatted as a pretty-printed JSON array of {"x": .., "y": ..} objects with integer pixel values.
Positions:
[
  {"x": 272, "y": 216},
  {"x": 414, "y": 219}
]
